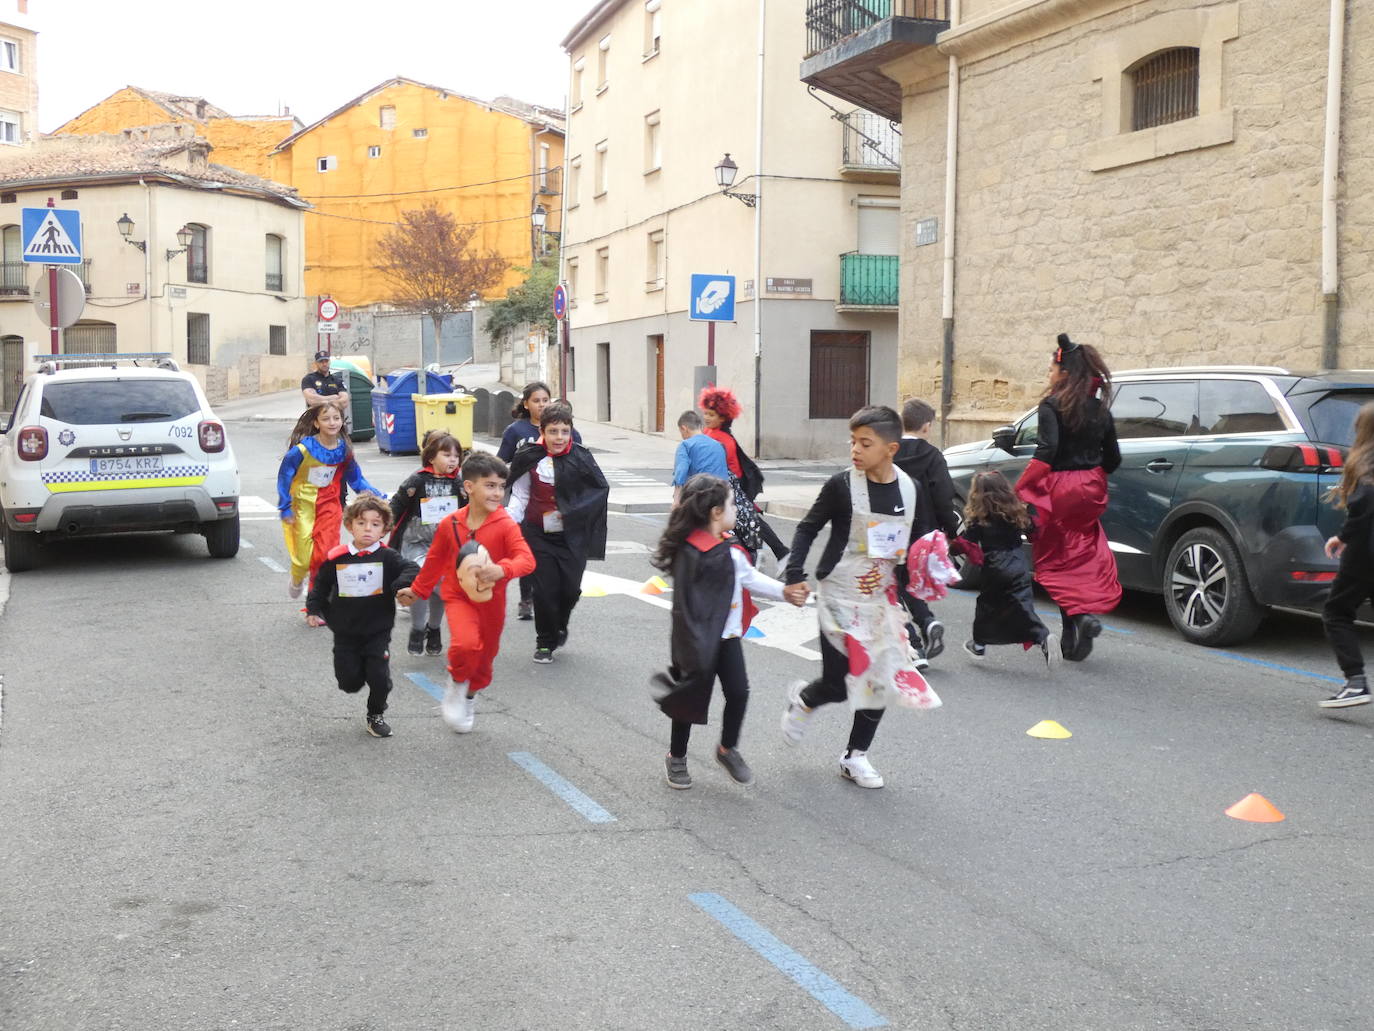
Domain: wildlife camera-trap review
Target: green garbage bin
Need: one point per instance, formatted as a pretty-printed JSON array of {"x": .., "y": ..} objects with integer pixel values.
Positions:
[
  {"x": 451, "y": 413},
  {"x": 359, "y": 386}
]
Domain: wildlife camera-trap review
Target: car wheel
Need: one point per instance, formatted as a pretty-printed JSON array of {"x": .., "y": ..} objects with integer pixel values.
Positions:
[
  {"x": 1206, "y": 590},
  {"x": 21, "y": 549},
  {"x": 222, "y": 537},
  {"x": 970, "y": 575}
]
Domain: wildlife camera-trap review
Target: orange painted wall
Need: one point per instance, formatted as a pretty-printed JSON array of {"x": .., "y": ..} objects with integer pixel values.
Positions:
[
  {"x": 464, "y": 144},
  {"x": 247, "y": 143},
  {"x": 125, "y": 109}
]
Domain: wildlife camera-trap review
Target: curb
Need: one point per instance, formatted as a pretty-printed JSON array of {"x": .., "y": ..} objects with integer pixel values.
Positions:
[
  {"x": 785, "y": 509},
  {"x": 636, "y": 507}
]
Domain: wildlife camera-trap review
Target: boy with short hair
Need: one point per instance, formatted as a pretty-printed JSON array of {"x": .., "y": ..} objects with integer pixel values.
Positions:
[
  {"x": 697, "y": 453},
  {"x": 864, "y": 653},
  {"x": 559, "y": 498},
  {"x": 935, "y": 510},
  {"x": 474, "y": 625},
  {"x": 354, "y": 594}
]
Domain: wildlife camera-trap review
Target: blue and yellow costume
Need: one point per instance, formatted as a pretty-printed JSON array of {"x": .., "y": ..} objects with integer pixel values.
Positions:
[{"x": 308, "y": 489}]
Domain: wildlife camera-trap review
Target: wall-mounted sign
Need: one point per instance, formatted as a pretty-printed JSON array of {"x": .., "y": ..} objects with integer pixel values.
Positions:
[
  {"x": 927, "y": 231},
  {"x": 176, "y": 291},
  {"x": 133, "y": 289},
  {"x": 787, "y": 285}
]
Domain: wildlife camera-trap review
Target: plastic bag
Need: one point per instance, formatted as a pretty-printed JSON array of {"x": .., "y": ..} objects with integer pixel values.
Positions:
[{"x": 928, "y": 566}]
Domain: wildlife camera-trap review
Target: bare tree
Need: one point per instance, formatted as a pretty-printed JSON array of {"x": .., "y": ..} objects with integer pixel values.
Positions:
[{"x": 434, "y": 272}]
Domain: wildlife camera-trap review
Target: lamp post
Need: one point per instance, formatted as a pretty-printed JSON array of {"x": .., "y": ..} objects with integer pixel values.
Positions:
[
  {"x": 726, "y": 169},
  {"x": 184, "y": 237},
  {"x": 125, "y": 225}
]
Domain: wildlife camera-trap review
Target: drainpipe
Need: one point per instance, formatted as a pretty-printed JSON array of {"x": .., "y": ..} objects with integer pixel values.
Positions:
[
  {"x": 148, "y": 259},
  {"x": 758, "y": 248},
  {"x": 1330, "y": 171},
  {"x": 947, "y": 287}
]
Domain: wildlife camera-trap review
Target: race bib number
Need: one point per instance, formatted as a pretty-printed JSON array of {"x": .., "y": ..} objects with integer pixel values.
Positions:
[
  {"x": 435, "y": 510},
  {"x": 553, "y": 522},
  {"x": 322, "y": 475},
  {"x": 360, "y": 579},
  {"x": 886, "y": 540}
]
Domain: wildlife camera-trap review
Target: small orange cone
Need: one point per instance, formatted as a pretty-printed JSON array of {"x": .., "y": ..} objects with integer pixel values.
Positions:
[
  {"x": 1255, "y": 808},
  {"x": 654, "y": 585}
]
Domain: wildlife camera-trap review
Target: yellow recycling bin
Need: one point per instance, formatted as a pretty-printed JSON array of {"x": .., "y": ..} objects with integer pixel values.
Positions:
[{"x": 451, "y": 413}]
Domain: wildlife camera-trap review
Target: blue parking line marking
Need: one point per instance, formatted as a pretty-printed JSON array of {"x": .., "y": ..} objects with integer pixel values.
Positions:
[
  {"x": 560, "y": 787},
  {"x": 426, "y": 685},
  {"x": 1283, "y": 669},
  {"x": 271, "y": 564},
  {"x": 823, "y": 988}
]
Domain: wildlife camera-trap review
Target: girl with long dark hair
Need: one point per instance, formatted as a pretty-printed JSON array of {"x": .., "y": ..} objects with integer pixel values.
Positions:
[
  {"x": 713, "y": 579},
  {"x": 719, "y": 409},
  {"x": 1066, "y": 483},
  {"x": 1354, "y": 546}
]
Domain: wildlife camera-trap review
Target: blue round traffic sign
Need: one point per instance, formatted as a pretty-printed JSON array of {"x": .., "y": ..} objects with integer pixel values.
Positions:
[{"x": 560, "y": 301}]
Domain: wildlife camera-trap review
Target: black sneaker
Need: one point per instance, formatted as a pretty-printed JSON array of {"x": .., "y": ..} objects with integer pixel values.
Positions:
[
  {"x": 434, "y": 642},
  {"x": 975, "y": 649},
  {"x": 562, "y": 638},
  {"x": 734, "y": 765},
  {"x": 678, "y": 777},
  {"x": 377, "y": 727},
  {"x": 1355, "y": 692},
  {"x": 416, "y": 644},
  {"x": 543, "y": 655},
  {"x": 935, "y": 638},
  {"x": 525, "y": 611}
]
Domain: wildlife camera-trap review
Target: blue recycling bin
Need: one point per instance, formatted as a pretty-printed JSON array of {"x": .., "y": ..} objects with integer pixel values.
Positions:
[{"x": 393, "y": 409}]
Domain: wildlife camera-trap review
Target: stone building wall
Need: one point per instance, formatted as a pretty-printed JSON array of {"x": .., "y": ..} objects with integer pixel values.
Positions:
[{"x": 1209, "y": 255}]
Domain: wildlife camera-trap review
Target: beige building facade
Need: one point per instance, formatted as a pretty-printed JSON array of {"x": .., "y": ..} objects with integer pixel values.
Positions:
[
  {"x": 1150, "y": 177},
  {"x": 18, "y": 74},
  {"x": 227, "y": 305},
  {"x": 660, "y": 91}
]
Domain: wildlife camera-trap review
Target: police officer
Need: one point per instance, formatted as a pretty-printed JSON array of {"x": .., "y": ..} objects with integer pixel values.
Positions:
[{"x": 321, "y": 385}]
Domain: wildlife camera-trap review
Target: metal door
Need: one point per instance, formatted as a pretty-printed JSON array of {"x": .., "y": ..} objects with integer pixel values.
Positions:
[{"x": 11, "y": 371}]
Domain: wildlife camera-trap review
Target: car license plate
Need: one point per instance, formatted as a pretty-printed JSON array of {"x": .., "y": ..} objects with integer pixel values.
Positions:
[{"x": 141, "y": 465}]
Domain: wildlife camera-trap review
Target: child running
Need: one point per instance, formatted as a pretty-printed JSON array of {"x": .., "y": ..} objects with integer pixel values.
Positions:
[
  {"x": 865, "y": 655},
  {"x": 474, "y": 625},
  {"x": 559, "y": 500},
  {"x": 354, "y": 593},
  {"x": 994, "y": 520},
  {"x": 925, "y": 464},
  {"x": 713, "y": 580},
  {"x": 526, "y": 427},
  {"x": 308, "y": 490},
  {"x": 422, "y": 501},
  {"x": 1354, "y": 546}
]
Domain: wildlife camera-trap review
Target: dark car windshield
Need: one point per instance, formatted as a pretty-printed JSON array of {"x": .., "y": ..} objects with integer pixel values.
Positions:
[
  {"x": 122, "y": 401},
  {"x": 1332, "y": 419}
]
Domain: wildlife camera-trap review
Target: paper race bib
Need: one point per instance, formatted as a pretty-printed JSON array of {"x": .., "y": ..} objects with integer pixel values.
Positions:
[
  {"x": 360, "y": 579},
  {"x": 886, "y": 540},
  {"x": 553, "y": 522},
  {"x": 322, "y": 475},
  {"x": 435, "y": 510}
]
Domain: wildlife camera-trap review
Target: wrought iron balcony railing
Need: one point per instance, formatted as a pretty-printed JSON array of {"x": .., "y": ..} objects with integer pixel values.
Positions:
[
  {"x": 869, "y": 280},
  {"x": 871, "y": 142},
  {"x": 830, "y": 21}
]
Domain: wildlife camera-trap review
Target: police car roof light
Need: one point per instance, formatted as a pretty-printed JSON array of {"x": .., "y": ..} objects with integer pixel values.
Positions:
[{"x": 160, "y": 359}]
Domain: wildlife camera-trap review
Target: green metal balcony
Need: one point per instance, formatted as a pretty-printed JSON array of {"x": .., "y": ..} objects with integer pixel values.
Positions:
[{"x": 868, "y": 282}]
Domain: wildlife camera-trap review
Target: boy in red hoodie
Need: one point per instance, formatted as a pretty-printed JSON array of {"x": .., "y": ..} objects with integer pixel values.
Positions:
[{"x": 474, "y": 626}]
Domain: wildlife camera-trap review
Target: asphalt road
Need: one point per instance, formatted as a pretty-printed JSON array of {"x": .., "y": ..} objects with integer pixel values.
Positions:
[{"x": 197, "y": 833}]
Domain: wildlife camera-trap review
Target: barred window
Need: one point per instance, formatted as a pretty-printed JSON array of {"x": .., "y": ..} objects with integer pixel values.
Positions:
[
  {"x": 1165, "y": 88},
  {"x": 197, "y": 338}
]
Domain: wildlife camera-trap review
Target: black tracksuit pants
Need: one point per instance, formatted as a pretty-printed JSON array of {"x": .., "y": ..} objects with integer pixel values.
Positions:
[
  {"x": 365, "y": 660},
  {"x": 734, "y": 685},
  {"x": 1351, "y": 588},
  {"x": 830, "y": 688},
  {"x": 557, "y": 584}
]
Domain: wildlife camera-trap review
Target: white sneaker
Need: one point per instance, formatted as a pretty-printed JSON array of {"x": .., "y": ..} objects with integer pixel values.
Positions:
[
  {"x": 294, "y": 588},
  {"x": 1053, "y": 656},
  {"x": 796, "y": 716},
  {"x": 454, "y": 705},
  {"x": 857, "y": 768},
  {"x": 469, "y": 716}
]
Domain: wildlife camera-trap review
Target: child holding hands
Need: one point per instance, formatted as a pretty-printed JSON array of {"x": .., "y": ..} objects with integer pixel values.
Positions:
[{"x": 423, "y": 500}]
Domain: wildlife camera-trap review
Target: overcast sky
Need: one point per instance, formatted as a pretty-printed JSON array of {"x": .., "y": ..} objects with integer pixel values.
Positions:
[{"x": 255, "y": 56}]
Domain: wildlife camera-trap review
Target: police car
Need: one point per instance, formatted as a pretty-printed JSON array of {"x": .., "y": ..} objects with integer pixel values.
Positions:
[{"x": 111, "y": 443}]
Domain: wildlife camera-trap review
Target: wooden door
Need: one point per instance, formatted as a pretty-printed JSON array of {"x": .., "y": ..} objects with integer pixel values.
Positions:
[{"x": 659, "y": 401}]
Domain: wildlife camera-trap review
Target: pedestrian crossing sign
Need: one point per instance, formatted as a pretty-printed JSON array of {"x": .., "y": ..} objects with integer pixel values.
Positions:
[{"x": 52, "y": 236}]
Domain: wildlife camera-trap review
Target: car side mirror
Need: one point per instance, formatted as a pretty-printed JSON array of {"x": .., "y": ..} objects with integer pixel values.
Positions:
[{"x": 1004, "y": 437}]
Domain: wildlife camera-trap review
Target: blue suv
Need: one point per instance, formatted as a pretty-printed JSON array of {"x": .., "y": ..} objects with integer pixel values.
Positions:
[{"x": 1217, "y": 503}]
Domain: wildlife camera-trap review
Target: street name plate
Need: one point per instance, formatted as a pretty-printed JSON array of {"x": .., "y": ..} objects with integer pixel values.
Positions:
[
  {"x": 927, "y": 231},
  {"x": 787, "y": 285}
]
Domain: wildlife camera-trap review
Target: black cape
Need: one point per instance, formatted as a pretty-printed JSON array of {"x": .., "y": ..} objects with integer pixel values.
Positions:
[
  {"x": 582, "y": 492},
  {"x": 703, "y": 585}
]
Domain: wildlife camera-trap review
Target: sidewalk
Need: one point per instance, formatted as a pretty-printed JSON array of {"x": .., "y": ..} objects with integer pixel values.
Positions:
[{"x": 624, "y": 455}]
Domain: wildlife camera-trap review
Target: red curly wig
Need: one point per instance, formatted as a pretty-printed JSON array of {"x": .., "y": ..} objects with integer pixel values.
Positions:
[{"x": 722, "y": 401}]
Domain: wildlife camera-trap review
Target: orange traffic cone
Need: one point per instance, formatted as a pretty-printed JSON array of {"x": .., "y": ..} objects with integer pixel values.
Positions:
[
  {"x": 654, "y": 585},
  {"x": 1255, "y": 809}
]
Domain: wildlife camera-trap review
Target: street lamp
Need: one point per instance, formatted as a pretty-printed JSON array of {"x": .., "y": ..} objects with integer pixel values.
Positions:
[
  {"x": 184, "y": 237},
  {"x": 725, "y": 178},
  {"x": 125, "y": 225},
  {"x": 539, "y": 217}
]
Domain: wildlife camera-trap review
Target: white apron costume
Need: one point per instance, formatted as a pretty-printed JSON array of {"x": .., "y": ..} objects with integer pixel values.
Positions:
[{"x": 860, "y": 613}]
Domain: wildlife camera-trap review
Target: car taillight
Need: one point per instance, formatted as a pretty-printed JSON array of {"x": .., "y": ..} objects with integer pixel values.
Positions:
[
  {"x": 33, "y": 443},
  {"x": 1301, "y": 458},
  {"x": 211, "y": 437},
  {"x": 1313, "y": 576},
  {"x": 25, "y": 517}
]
